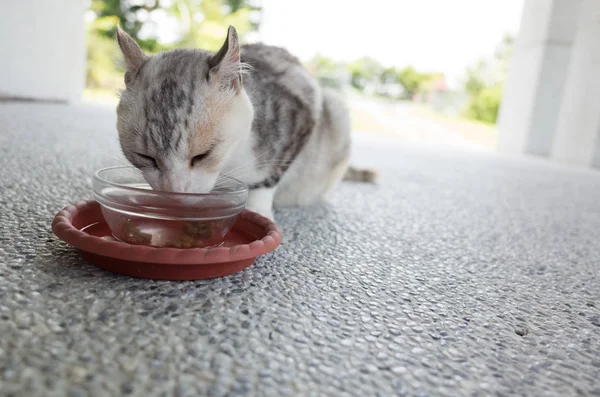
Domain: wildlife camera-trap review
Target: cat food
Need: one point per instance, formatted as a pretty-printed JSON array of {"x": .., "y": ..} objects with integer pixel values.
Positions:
[
  {"x": 193, "y": 234},
  {"x": 184, "y": 235},
  {"x": 135, "y": 235}
]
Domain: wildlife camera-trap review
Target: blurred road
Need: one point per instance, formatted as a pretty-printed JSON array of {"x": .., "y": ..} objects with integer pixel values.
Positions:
[{"x": 410, "y": 122}]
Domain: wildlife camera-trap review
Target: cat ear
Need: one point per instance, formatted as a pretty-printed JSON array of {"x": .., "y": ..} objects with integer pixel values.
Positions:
[
  {"x": 225, "y": 65},
  {"x": 133, "y": 54}
]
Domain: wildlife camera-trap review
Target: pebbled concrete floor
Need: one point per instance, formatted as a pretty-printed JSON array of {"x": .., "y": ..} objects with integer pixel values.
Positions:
[{"x": 462, "y": 273}]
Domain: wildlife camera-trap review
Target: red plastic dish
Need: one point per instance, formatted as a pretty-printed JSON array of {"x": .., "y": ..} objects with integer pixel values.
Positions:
[{"x": 83, "y": 227}]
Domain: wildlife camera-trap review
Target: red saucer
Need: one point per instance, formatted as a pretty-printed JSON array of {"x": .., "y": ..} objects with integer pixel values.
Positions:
[{"x": 82, "y": 226}]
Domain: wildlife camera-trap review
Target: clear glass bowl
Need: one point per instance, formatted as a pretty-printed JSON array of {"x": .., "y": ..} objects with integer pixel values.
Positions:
[{"x": 136, "y": 214}]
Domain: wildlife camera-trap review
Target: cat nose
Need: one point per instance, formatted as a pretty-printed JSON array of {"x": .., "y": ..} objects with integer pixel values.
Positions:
[{"x": 176, "y": 185}]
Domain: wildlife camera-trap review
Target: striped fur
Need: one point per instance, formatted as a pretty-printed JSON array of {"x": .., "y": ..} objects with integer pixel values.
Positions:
[{"x": 187, "y": 117}]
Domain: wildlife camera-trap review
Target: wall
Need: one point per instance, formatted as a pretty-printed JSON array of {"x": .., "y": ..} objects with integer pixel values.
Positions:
[
  {"x": 551, "y": 104},
  {"x": 536, "y": 78},
  {"x": 577, "y": 138},
  {"x": 43, "y": 49}
]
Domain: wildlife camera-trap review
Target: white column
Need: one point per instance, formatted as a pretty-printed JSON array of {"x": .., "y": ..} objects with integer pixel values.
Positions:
[
  {"x": 43, "y": 49},
  {"x": 578, "y": 131},
  {"x": 536, "y": 77}
]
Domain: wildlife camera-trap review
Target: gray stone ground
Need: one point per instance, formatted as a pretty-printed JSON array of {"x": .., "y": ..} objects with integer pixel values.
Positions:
[{"x": 460, "y": 274}]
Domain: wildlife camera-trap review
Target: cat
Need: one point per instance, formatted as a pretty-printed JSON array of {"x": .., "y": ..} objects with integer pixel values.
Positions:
[{"x": 252, "y": 112}]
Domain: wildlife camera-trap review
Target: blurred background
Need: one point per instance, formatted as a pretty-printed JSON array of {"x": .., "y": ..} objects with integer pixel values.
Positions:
[
  {"x": 424, "y": 70},
  {"x": 517, "y": 77}
]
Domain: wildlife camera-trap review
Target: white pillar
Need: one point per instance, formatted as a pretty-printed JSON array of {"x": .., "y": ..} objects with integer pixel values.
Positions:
[
  {"x": 536, "y": 77},
  {"x": 43, "y": 49},
  {"x": 578, "y": 131}
]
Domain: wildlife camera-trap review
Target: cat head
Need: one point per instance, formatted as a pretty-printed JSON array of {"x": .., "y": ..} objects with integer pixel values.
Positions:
[{"x": 182, "y": 113}]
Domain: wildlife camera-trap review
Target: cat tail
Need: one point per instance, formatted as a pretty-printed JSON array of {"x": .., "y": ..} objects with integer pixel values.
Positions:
[{"x": 360, "y": 175}]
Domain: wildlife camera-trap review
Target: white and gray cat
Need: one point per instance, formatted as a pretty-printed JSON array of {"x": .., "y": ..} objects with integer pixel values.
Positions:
[{"x": 187, "y": 117}]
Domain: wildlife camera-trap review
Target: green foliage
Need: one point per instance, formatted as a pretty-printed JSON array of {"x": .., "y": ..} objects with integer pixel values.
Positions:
[
  {"x": 411, "y": 80},
  {"x": 102, "y": 70},
  {"x": 236, "y": 4},
  {"x": 367, "y": 73},
  {"x": 127, "y": 13},
  {"x": 212, "y": 28},
  {"x": 327, "y": 71},
  {"x": 485, "y": 81},
  {"x": 388, "y": 76},
  {"x": 475, "y": 82},
  {"x": 322, "y": 65},
  {"x": 364, "y": 71},
  {"x": 203, "y": 24},
  {"x": 430, "y": 79},
  {"x": 485, "y": 104}
]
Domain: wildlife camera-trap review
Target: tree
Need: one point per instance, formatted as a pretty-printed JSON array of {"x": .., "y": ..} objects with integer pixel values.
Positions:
[
  {"x": 410, "y": 80},
  {"x": 202, "y": 24},
  {"x": 485, "y": 105},
  {"x": 132, "y": 15},
  {"x": 236, "y": 4},
  {"x": 389, "y": 76},
  {"x": 364, "y": 72},
  {"x": 485, "y": 82},
  {"x": 475, "y": 81},
  {"x": 207, "y": 22},
  {"x": 102, "y": 70},
  {"x": 368, "y": 73},
  {"x": 323, "y": 65}
]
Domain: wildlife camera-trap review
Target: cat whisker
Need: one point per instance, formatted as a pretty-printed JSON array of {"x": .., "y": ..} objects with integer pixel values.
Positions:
[{"x": 247, "y": 163}]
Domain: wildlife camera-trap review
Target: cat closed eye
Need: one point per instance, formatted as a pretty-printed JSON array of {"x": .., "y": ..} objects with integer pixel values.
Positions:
[
  {"x": 196, "y": 159},
  {"x": 148, "y": 159}
]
